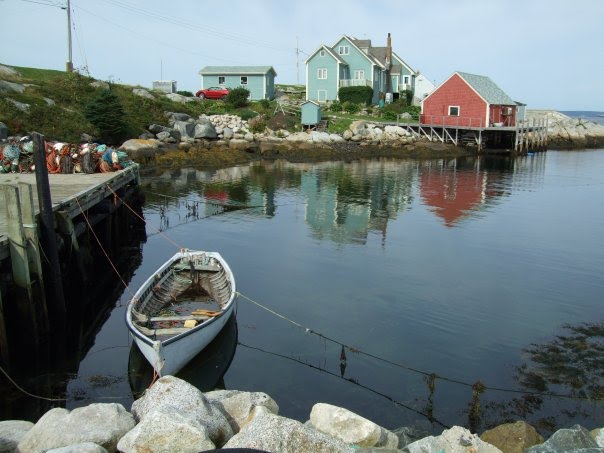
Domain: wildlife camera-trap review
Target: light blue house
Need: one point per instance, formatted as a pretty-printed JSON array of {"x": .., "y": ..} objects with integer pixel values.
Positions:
[
  {"x": 353, "y": 62},
  {"x": 259, "y": 80}
]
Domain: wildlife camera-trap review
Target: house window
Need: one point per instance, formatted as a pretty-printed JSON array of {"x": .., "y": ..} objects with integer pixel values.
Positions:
[
  {"x": 243, "y": 80},
  {"x": 406, "y": 80},
  {"x": 343, "y": 50},
  {"x": 359, "y": 75},
  {"x": 453, "y": 110},
  {"x": 322, "y": 73},
  {"x": 322, "y": 53},
  {"x": 221, "y": 80}
]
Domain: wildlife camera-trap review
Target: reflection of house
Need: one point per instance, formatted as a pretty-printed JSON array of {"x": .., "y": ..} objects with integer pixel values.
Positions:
[
  {"x": 355, "y": 62},
  {"x": 452, "y": 194},
  {"x": 258, "y": 80},
  {"x": 468, "y": 100}
]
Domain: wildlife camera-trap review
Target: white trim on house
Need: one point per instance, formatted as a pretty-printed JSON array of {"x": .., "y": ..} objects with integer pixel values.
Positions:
[
  {"x": 371, "y": 60},
  {"x": 454, "y": 107},
  {"x": 321, "y": 73},
  {"x": 359, "y": 74},
  {"x": 241, "y": 82},
  {"x": 413, "y": 73},
  {"x": 324, "y": 95},
  {"x": 343, "y": 50}
]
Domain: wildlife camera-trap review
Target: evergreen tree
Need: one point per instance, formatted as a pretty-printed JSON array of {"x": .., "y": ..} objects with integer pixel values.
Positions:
[{"x": 106, "y": 113}]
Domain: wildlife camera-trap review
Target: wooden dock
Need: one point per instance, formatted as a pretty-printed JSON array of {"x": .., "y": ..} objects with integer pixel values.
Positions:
[
  {"x": 524, "y": 136},
  {"x": 87, "y": 189}
]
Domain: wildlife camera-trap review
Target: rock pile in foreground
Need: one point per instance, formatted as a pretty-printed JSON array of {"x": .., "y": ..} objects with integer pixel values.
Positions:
[{"x": 175, "y": 416}]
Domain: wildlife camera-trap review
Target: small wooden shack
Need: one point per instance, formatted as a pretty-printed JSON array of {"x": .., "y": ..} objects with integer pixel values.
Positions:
[
  {"x": 311, "y": 113},
  {"x": 469, "y": 100}
]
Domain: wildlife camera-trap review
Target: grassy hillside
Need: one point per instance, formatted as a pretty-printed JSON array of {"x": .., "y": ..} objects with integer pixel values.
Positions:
[{"x": 57, "y": 104}]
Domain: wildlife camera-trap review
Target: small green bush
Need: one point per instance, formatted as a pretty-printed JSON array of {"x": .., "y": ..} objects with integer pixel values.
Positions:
[
  {"x": 105, "y": 112},
  {"x": 358, "y": 95},
  {"x": 257, "y": 124},
  {"x": 185, "y": 93},
  {"x": 247, "y": 114},
  {"x": 389, "y": 116},
  {"x": 265, "y": 104},
  {"x": 351, "y": 107},
  {"x": 336, "y": 107},
  {"x": 237, "y": 97}
]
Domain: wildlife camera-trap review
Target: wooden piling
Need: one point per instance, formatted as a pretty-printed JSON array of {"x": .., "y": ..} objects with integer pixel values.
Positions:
[
  {"x": 4, "y": 351},
  {"x": 48, "y": 241}
]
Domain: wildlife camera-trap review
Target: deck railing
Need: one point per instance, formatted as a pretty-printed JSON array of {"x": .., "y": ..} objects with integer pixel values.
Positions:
[
  {"x": 451, "y": 121},
  {"x": 355, "y": 83}
]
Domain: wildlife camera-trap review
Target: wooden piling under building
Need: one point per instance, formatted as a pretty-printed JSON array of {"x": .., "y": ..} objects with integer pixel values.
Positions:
[
  {"x": 527, "y": 135},
  {"x": 24, "y": 257}
]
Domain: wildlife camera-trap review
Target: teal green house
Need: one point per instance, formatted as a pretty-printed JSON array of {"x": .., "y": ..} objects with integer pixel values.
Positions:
[
  {"x": 259, "y": 80},
  {"x": 353, "y": 62}
]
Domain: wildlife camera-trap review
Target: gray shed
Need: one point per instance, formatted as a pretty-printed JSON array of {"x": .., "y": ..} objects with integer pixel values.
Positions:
[{"x": 311, "y": 113}]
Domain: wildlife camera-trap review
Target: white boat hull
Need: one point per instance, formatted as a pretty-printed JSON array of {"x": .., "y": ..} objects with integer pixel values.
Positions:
[{"x": 167, "y": 357}]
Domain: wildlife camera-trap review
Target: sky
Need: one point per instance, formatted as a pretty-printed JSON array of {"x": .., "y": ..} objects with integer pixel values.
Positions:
[{"x": 545, "y": 53}]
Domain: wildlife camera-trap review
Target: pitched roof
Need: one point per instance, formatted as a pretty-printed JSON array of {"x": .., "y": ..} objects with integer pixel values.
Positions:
[
  {"x": 223, "y": 70},
  {"x": 330, "y": 52},
  {"x": 487, "y": 89}
]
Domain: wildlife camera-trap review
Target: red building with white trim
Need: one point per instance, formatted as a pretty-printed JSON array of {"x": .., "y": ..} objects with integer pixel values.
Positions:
[{"x": 468, "y": 100}]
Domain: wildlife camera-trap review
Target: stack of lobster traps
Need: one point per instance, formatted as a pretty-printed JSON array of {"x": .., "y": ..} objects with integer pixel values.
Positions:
[{"x": 17, "y": 156}]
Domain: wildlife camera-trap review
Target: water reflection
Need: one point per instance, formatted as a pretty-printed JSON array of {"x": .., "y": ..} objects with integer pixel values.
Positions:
[{"x": 345, "y": 201}]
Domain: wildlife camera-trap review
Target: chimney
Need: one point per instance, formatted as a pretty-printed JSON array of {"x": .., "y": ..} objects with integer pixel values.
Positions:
[{"x": 388, "y": 52}]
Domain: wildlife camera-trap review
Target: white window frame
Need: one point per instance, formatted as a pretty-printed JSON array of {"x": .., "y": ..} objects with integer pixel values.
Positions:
[
  {"x": 454, "y": 107},
  {"x": 344, "y": 50},
  {"x": 321, "y": 53},
  {"x": 221, "y": 80},
  {"x": 359, "y": 74},
  {"x": 243, "y": 80},
  {"x": 406, "y": 79},
  {"x": 322, "y": 73}
]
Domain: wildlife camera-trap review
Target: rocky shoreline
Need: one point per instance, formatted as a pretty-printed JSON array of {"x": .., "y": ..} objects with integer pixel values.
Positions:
[
  {"x": 173, "y": 416},
  {"x": 227, "y": 139}
]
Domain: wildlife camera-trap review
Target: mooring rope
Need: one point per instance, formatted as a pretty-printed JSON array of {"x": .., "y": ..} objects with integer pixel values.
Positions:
[
  {"x": 101, "y": 245},
  {"x": 406, "y": 367},
  {"x": 21, "y": 389}
]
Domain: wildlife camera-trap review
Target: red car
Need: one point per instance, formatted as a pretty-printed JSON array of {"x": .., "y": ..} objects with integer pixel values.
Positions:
[{"x": 212, "y": 93}]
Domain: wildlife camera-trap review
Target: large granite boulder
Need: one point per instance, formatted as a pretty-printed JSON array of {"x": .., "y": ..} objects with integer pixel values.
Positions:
[
  {"x": 100, "y": 84},
  {"x": 513, "y": 437},
  {"x": 238, "y": 406},
  {"x": 598, "y": 435},
  {"x": 171, "y": 394},
  {"x": 167, "y": 431},
  {"x": 175, "y": 97},
  {"x": 10, "y": 87},
  {"x": 141, "y": 92},
  {"x": 204, "y": 130},
  {"x": 575, "y": 439},
  {"x": 185, "y": 129},
  {"x": 8, "y": 71},
  {"x": 454, "y": 440},
  {"x": 176, "y": 116},
  {"x": 84, "y": 447},
  {"x": 99, "y": 423},
  {"x": 11, "y": 433},
  {"x": 271, "y": 432},
  {"x": 350, "y": 427}
]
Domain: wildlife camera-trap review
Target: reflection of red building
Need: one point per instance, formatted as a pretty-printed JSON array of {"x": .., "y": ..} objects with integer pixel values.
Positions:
[
  {"x": 452, "y": 194},
  {"x": 219, "y": 196}
]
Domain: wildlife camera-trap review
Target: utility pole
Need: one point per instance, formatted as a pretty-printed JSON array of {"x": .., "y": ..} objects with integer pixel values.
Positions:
[
  {"x": 297, "y": 62},
  {"x": 69, "y": 65}
]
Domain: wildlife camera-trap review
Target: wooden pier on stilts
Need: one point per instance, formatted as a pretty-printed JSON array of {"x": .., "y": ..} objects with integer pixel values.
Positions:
[
  {"x": 526, "y": 135},
  {"x": 44, "y": 222}
]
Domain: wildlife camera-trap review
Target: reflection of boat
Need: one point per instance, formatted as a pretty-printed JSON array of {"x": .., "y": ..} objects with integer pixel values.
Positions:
[
  {"x": 205, "y": 371},
  {"x": 181, "y": 308}
]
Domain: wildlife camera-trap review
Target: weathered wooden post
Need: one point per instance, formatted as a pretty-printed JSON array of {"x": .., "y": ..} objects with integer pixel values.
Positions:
[
  {"x": 4, "y": 351},
  {"x": 53, "y": 280}
]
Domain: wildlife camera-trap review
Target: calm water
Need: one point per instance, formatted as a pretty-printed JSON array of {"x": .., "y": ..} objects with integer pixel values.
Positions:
[{"x": 435, "y": 275}]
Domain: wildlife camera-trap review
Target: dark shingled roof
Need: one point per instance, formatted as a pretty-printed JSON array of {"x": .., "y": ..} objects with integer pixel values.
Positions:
[{"x": 487, "y": 89}]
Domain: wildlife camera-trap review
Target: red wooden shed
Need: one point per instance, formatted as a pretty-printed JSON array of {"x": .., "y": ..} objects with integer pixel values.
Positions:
[{"x": 468, "y": 100}]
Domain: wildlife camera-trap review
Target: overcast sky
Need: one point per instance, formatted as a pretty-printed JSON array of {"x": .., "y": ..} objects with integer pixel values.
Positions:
[{"x": 546, "y": 53}]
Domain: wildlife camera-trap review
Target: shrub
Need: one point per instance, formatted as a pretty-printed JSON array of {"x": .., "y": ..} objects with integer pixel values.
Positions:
[
  {"x": 407, "y": 96},
  {"x": 265, "y": 104},
  {"x": 351, "y": 107},
  {"x": 105, "y": 112},
  {"x": 185, "y": 93},
  {"x": 389, "y": 116},
  {"x": 257, "y": 124},
  {"x": 237, "y": 97},
  {"x": 358, "y": 95},
  {"x": 247, "y": 114},
  {"x": 336, "y": 106}
]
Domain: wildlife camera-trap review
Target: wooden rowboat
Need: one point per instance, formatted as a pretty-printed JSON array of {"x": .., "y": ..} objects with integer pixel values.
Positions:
[{"x": 181, "y": 308}]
